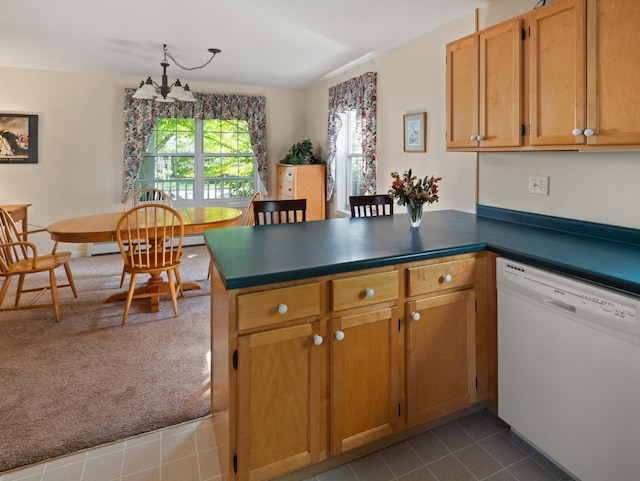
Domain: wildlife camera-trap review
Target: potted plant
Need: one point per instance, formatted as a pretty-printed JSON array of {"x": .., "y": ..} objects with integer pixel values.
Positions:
[{"x": 301, "y": 153}]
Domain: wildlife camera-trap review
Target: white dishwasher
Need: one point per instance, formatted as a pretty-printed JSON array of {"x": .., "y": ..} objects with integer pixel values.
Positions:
[{"x": 569, "y": 370}]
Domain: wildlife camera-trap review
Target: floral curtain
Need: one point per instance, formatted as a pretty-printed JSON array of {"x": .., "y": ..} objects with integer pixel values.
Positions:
[
  {"x": 357, "y": 94},
  {"x": 140, "y": 115}
]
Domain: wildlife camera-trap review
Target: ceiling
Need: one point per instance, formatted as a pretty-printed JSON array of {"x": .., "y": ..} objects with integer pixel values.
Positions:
[{"x": 274, "y": 43}]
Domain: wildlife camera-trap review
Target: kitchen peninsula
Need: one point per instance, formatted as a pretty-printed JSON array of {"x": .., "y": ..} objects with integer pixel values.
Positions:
[{"x": 333, "y": 336}]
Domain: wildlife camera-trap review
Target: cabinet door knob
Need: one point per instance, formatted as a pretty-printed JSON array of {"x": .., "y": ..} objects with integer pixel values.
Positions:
[
  {"x": 589, "y": 132},
  {"x": 415, "y": 316},
  {"x": 339, "y": 335},
  {"x": 317, "y": 340},
  {"x": 369, "y": 292},
  {"x": 282, "y": 308},
  {"x": 474, "y": 138},
  {"x": 480, "y": 137},
  {"x": 576, "y": 132},
  {"x": 446, "y": 277}
]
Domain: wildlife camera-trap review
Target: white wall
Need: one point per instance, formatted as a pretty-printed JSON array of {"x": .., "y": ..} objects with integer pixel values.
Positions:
[
  {"x": 80, "y": 140},
  {"x": 411, "y": 79},
  {"x": 596, "y": 187}
]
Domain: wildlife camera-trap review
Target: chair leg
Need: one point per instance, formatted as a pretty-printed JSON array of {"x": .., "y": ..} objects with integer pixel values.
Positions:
[
  {"x": 122, "y": 278},
  {"x": 132, "y": 287},
  {"x": 172, "y": 289},
  {"x": 72, "y": 284},
  {"x": 54, "y": 293},
  {"x": 176, "y": 272},
  {"x": 19, "y": 291},
  {"x": 5, "y": 288}
]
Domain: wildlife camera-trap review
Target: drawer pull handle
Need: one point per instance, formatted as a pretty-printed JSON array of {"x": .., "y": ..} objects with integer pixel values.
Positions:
[
  {"x": 339, "y": 335},
  {"x": 415, "y": 316},
  {"x": 446, "y": 277},
  {"x": 369, "y": 292},
  {"x": 317, "y": 340},
  {"x": 282, "y": 308}
]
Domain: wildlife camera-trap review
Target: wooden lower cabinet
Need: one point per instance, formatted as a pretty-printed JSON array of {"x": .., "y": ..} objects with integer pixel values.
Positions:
[
  {"x": 366, "y": 355},
  {"x": 441, "y": 368},
  {"x": 366, "y": 360},
  {"x": 278, "y": 401}
]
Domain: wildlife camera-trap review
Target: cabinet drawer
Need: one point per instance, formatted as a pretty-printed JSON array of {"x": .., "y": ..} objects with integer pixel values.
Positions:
[
  {"x": 441, "y": 276},
  {"x": 285, "y": 188},
  {"x": 277, "y": 305},
  {"x": 364, "y": 290},
  {"x": 285, "y": 174}
]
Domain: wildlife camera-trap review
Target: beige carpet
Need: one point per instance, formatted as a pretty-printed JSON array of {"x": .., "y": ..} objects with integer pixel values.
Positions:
[{"x": 88, "y": 380}]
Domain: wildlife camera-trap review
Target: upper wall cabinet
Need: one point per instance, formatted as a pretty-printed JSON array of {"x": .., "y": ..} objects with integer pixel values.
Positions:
[
  {"x": 484, "y": 88},
  {"x": 580, "y": 80}
]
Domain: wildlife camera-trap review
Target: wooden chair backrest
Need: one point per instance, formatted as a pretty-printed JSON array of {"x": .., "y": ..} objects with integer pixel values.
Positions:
[
  {"x": 371, "y": 205},
  {"x": 249, "y": 215},
  {"x": 159, "y": 228},
  {"x": 12, "y": 248},
  {"x": 285, "y": 211},
  {"x": 147, "y": 195}
]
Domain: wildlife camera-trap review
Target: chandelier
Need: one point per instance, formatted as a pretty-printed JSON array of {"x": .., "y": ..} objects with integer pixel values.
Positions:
[{"x": 150, "y": 90}]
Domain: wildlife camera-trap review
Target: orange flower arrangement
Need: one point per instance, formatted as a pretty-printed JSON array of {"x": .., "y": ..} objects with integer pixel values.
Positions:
[{"x": 411, "y": 191}]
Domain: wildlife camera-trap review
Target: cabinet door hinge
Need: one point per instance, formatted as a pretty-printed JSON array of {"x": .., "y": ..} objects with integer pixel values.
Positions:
[
  {"x": 523, "y": 34},
  {"x": 476, "y": 305},
  {"x": 399, "y": 410},
  {"x": 235, "y": 463},
  {"x": 476, "y": 383},
  {"x": 398, "y": 324},
  {"x": 523, "y": 130},
  {"x": 235, "y": 359}
]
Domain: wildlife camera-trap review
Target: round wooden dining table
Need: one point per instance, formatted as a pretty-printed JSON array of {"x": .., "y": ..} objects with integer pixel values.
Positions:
[{"x": 102, "y": 228}]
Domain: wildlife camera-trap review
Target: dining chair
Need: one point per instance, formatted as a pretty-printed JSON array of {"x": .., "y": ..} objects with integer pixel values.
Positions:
[
  {"x": 370, "y": 205},
  {"x": 284, "y": 211},
  {"x": 158, "y": 231},
  {"x": 247, "y": 219},
  {"x": 249, "y": 215},
  {"x": 146, "y": 195},
  {"x": 21, "y": 258}
]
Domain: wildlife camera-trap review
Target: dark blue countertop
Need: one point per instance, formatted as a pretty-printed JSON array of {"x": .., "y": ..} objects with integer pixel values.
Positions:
[{"x": 250, "y": 256}]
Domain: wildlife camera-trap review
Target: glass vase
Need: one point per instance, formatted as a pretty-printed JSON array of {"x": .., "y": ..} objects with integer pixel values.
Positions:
[{"x": 415, "y": 214}]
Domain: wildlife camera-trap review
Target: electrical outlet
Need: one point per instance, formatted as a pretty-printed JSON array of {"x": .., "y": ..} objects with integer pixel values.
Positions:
[{"x": 539, "y": 184}]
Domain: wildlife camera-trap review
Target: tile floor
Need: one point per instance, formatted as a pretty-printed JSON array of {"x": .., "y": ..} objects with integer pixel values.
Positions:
[{"x": 477, "y": 447}]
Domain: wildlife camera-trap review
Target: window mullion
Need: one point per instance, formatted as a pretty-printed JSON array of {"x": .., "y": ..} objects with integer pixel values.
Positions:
[{"x": 199, "y": 162}]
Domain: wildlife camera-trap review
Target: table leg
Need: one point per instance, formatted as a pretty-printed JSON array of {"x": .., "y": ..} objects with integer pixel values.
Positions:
[{"x": 155, "y": 287}]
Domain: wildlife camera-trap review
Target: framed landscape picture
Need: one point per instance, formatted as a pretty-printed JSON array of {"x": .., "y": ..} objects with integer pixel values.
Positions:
[
  {"x": 415, "y": 128},
  {"x": 18, "y": 139}
]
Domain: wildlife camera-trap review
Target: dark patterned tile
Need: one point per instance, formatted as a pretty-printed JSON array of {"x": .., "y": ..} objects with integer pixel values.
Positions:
[
  {"x": 478, "y": 461},
  {"x": 401, "y": 459},
  {"x": 427, "y": 447}
]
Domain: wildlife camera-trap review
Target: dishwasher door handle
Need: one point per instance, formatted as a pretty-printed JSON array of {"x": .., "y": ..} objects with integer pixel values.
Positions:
[{"x": 559, "y": 304}]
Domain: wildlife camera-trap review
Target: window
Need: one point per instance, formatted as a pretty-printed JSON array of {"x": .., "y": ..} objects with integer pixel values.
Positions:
[
  {"x": 349, "y": 162},
  {"x": 198, "y": 161}
]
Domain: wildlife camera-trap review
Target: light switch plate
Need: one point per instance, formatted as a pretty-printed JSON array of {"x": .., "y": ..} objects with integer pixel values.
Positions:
[{"x": 539, "y": 184}]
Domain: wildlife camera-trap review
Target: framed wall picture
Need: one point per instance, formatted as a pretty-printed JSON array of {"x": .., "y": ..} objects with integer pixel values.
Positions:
[
  {"x": 415, "y": 132},
  {"x": 18, "y": 139}
]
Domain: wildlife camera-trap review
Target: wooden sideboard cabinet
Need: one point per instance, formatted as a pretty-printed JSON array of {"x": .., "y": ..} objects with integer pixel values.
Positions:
[
  {"x": 304, "y": 182},
  {"x": 306, "y": 370}
]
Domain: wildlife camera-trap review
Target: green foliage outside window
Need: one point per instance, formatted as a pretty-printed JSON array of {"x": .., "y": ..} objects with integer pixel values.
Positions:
[{"x": 227, "y": 160}]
